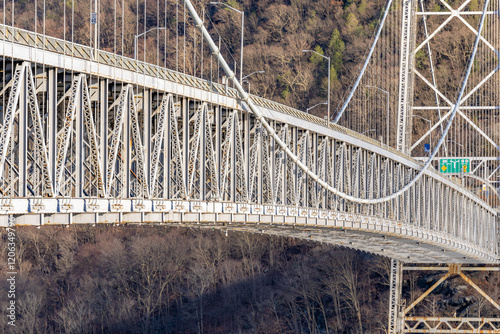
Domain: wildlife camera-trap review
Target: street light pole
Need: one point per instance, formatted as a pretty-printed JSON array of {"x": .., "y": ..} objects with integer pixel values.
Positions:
[
  {"x": 371, "y": 130},
  {"x": 430, "y": 129},
  {"x": 246, "y": 76},
  {"x": 248, "y": 81},
  {"x": 241, "y": 56},
  {"x": 329, "y": 70},
  {"x": 387, "y": 104},
  {"x": 307, "y": 110},
  {"x": 136, "y": 37},
  {"x": 242, "y": 30},
  {"x": 95, "y": 29},
  {"x": 319, "y": 54}
]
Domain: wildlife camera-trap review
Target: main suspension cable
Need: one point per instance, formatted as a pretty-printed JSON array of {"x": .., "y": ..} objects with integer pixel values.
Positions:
[
  {"x": 259, "y": 116},
  {"x": 356, "y": 84}
]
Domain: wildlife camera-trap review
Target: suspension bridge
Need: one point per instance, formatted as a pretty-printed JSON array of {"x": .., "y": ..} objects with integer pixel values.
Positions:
[{"x": 88, "y": 136}]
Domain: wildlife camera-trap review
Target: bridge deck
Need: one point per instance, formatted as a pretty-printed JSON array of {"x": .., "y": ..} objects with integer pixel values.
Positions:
[
  {"x": 384, "y": 237},
  {"x": 437, "y": 221}
]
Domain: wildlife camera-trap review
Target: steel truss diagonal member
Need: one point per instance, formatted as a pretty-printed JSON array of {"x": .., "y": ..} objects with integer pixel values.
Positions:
[
  {"x": 23, "y": 85},
  {"x": 202, "y": 164},
  {"x": 233, "y": 179},
  {"x": 127, "y": 106},
  {"x": 422, "y": 324},
  {"x": 79, "y": 103},
  {"x": 155, "y": 157},
  {"x": 280, "y": 171},
  {"x": 64, "y": 139}
]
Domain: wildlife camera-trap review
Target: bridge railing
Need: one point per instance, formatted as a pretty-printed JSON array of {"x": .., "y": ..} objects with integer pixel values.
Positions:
[
  {"x": 52, "y": 44},
  {"x": 43, "y": 42}
]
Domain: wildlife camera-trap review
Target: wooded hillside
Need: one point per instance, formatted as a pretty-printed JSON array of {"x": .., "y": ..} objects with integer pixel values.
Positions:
[
  {"x": 144, "y": 279},
  {"x": 150, "y": 279},
  {"x": 158, "y": 279},
  {"x": 276, "y": 32}
]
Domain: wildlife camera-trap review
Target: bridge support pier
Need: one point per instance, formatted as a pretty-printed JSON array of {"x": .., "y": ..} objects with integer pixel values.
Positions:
[
  {"x": 396, "y": 318},
  {"x": 401, "y": 321}
]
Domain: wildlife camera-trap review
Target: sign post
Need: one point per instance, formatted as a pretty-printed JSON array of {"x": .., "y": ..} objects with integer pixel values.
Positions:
[{"x": 454, "y": 166}]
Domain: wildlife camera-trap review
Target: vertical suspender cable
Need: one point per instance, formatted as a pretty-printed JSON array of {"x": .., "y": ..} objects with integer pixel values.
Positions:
[
  {"x": 194, "y": 51},
  {"x": 184, "y": 41},
  {"x": 201, "y": 48},
  {"x": 346, "y": 103},
  {"x": 165, "y": 38},
  {"x": 177, "y": 35},
  {"x": 136, "y": 26},
  {"x": 3, "y": 46},
  {"x": 123, "y": 27},
  {"x": 158, "y": 32}
]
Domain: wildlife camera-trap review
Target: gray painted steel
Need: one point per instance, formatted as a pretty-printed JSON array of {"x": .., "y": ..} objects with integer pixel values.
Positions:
[{"x": 137, "y": 143}]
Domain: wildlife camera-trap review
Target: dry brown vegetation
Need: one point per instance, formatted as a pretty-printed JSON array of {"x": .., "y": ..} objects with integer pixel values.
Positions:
[
  {"x": 150, "y": 279},
  {"x": 175, "y": 280},
  {"x": 157, "y": 279},
  {"x": 276, "y": 32}
]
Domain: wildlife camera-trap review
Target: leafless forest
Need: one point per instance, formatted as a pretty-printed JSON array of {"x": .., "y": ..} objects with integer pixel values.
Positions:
[
  {"x": 276, "y": 32},
  {"x": 175, "y": 280},
  {"x": 157, "y": 279}
]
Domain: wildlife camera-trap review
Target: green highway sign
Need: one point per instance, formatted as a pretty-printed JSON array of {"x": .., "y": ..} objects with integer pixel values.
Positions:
[{"x": 454, "y": 165}]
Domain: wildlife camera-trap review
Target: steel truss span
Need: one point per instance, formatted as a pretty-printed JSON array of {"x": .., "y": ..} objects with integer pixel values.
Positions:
[{"x": 100, "y": 138}]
